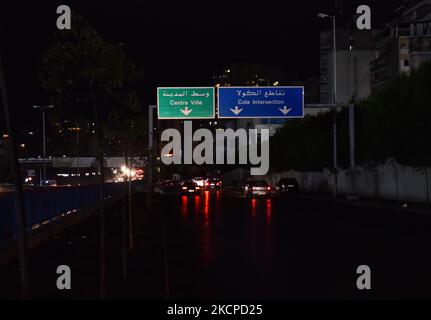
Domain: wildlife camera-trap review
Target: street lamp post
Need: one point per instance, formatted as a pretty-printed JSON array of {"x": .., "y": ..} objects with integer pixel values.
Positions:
[
  {"x": 77, "y": 129},
  {"x": 43, "y": 109},
  {"x": 334, "y": 97},
  {"x": 149, "y": 171}
]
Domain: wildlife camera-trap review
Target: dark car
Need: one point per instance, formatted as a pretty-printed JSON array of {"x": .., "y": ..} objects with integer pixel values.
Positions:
[
  {"x": 189, "y": 187},
  {"x": 168, "y": 187},
  {"x": 257, "y": 188},
  {"x": 213, "y": 184},
  {"x": 288, "y": 186}
]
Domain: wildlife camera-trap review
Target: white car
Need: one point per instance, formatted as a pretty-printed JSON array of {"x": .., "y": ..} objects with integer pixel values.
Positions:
[{"x": 199, "y": 181}]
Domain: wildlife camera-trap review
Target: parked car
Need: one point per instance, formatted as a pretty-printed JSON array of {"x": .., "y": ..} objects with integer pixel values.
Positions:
[
  {"x": 288, "y": 186},
  {"x": 213, "y": 184},
  {"x": 189, "y": 187},
  {"x": 257, "y": 188}
]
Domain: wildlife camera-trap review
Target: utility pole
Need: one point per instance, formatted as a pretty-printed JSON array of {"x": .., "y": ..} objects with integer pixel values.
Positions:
[
  {"x": 351, "y": 110},
  {"x": 334, "y": 36},
  {"x": 149, "y": 172},
  {"x": 334, "y": 97},
  {"x": 78, "y": 173},
  {"x": 129, "y": 183},
  {"x": 43, "y": 109},
  {"x": 352, "y": 127}
]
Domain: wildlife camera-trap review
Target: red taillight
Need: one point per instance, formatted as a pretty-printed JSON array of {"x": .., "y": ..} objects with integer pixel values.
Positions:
[
  {"x": 184, "y": 188},
  {"x": 269, "y": 188}
]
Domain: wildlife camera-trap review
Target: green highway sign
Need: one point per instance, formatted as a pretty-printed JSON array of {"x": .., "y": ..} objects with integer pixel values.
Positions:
[{"x": 186, "y": 103}]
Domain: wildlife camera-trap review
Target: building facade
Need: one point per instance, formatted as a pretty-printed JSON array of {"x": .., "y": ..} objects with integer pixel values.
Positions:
[
  {"x": 403, "y": 44},
  {"x": 420, "y": 42},
  {"x": 354, "y": 53}
]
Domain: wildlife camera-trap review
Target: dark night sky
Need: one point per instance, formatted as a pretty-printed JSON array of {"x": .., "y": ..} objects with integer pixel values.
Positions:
[{"x": 178, "y": 43}]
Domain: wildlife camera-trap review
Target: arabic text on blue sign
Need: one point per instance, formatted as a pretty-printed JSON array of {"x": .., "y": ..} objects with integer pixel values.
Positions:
[{"x": 261, "y": 102}]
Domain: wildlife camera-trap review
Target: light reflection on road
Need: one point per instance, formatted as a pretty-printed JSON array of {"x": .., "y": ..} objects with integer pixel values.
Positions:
[{"x": 184, "y": 206}]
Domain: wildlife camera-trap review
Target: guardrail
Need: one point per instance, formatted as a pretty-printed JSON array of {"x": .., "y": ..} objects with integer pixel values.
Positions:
[{"x": 45, "y": 205}]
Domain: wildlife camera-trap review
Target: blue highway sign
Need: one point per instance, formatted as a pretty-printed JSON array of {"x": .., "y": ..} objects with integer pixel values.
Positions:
[{"x": 261, "y": 102}]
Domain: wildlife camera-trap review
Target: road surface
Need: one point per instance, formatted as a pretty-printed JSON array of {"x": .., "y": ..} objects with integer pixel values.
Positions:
[{"x": 223, "y": 246}]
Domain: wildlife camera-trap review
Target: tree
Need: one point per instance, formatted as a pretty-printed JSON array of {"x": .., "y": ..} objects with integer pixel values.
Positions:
[
  {"x": 125, "y": 129},
  {"x": 392, "y": 124},
  {"x": 82, "y": 71}
]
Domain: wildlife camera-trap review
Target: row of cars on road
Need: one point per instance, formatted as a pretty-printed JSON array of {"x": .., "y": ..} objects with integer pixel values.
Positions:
[
  {"x": 193, "y": 186},
  {"x": 252, "y": 188},
  {"x": 286, "y": 186},
  {"x": 197, "y": 185}
]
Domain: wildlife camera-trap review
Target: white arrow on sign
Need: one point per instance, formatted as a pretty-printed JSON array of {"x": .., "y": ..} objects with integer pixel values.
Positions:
[
  {"x": 186, "y": 111},
  {"x": 285, "y": 110},
  {"x": 237, "y": 110}
]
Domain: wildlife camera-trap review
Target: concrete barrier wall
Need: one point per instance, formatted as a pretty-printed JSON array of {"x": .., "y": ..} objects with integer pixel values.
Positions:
[{"x": 390, "y": 181}]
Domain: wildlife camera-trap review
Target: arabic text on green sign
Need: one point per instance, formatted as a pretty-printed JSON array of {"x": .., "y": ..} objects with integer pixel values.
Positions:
[{"x": 186, "y": 103}]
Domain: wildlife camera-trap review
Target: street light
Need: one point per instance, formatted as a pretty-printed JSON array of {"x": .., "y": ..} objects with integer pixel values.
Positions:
[
  {"x": 334, "y": 97},
  {"x": 43, "y": 109}
]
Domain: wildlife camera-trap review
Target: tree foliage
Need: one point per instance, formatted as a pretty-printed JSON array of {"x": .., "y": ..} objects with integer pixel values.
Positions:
[
  {"x": 393, "y": 123},
  {"x": 82, "y": 71}
]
